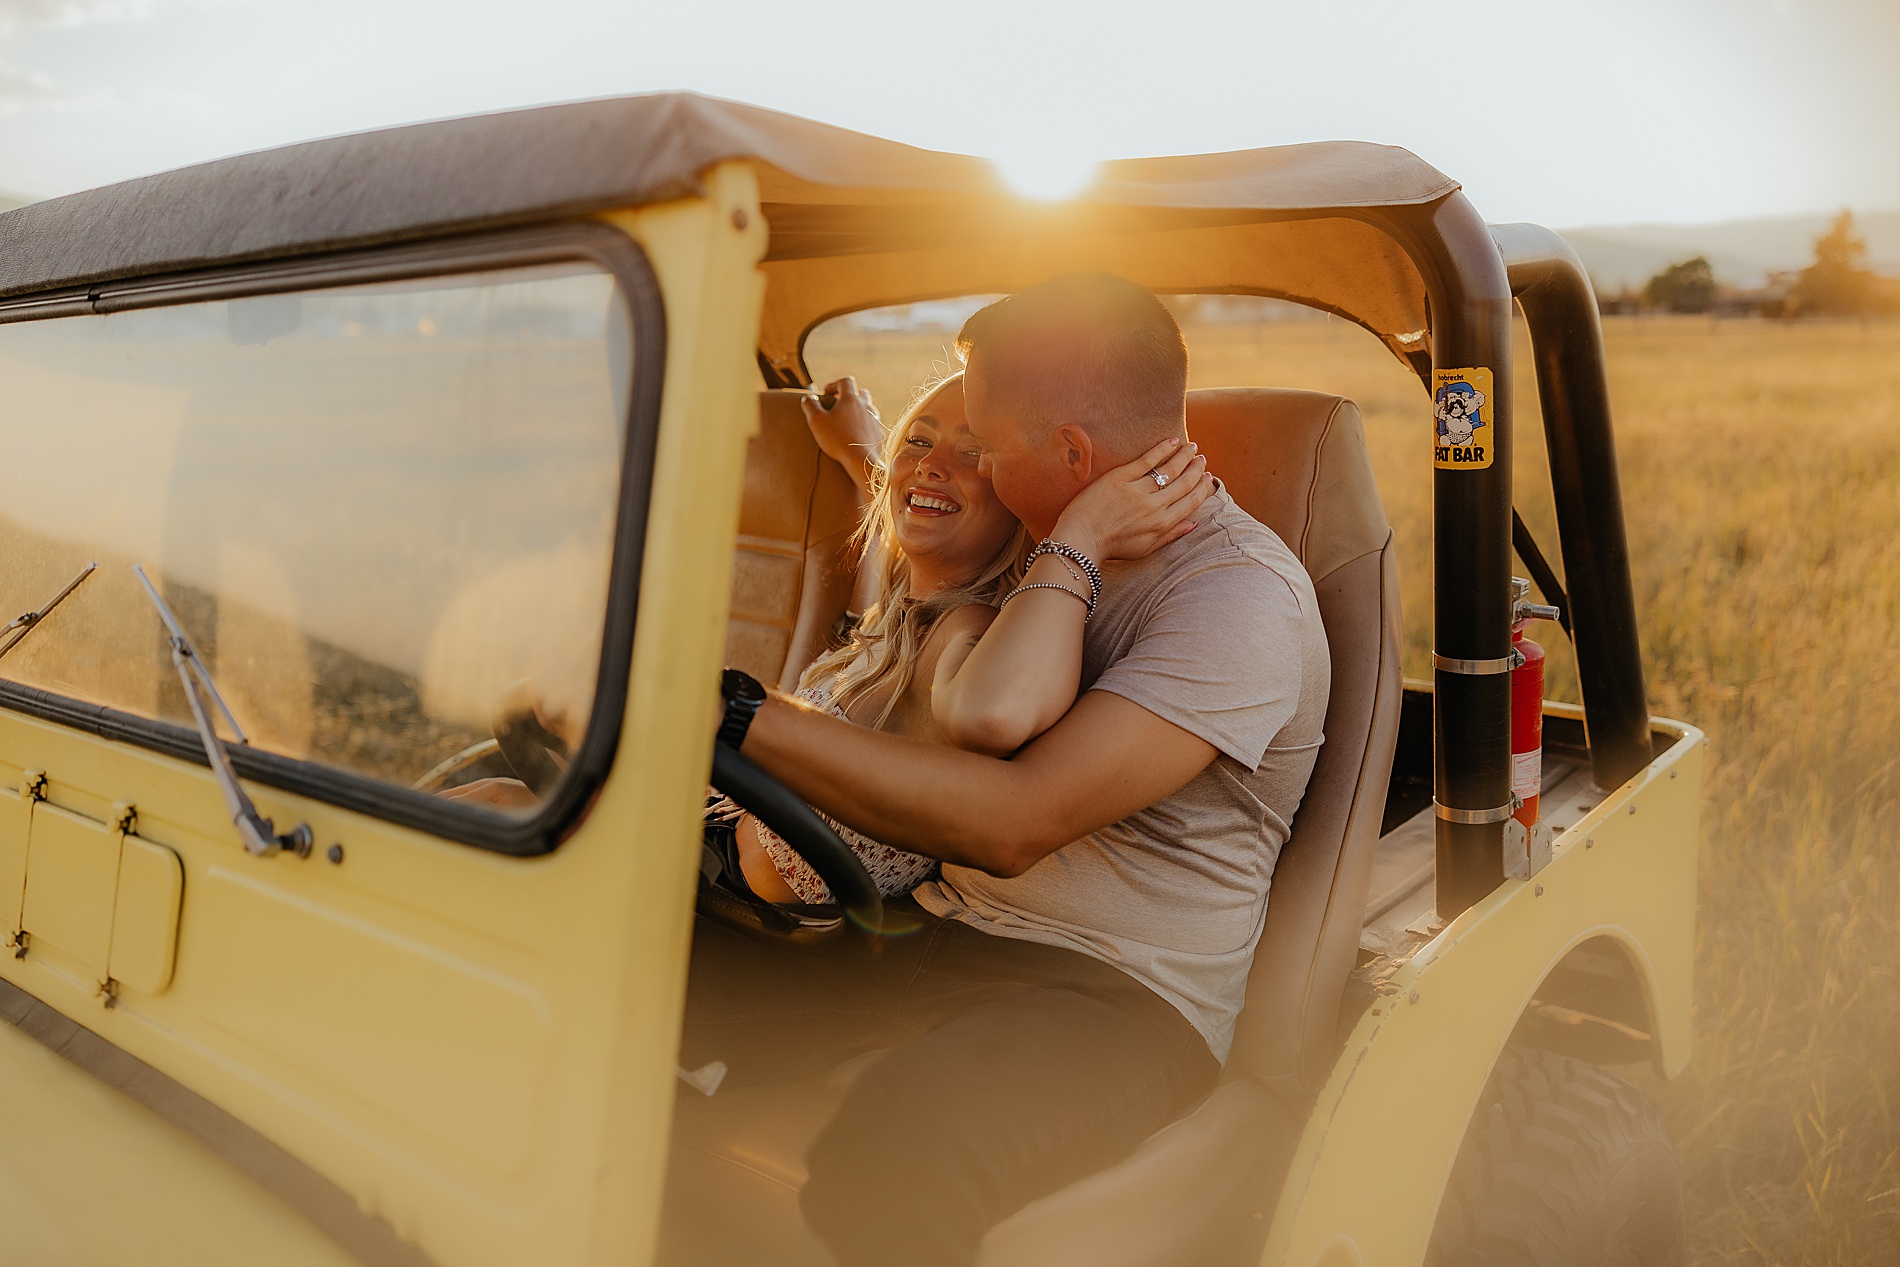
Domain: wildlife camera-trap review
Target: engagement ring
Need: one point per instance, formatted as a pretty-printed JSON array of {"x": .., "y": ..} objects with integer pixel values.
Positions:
[{"x": 1161, "y": 479}]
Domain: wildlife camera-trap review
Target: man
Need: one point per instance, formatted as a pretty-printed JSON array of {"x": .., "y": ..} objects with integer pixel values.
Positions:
[{"x": 1085, "y": 953}]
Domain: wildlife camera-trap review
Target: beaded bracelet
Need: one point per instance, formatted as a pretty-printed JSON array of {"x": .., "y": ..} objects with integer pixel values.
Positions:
[
  {"x": 1057, "y": 548},
  {"x": 1075, "y": 573},
  {"x": 1048, "y": 585}
]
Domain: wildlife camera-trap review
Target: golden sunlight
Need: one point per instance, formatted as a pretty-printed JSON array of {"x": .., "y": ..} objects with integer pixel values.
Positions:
[{"x": 1046, "y": 177}]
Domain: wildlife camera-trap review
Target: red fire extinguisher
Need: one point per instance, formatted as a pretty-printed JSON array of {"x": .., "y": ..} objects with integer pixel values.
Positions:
[{"x": 1527, "y": 703}]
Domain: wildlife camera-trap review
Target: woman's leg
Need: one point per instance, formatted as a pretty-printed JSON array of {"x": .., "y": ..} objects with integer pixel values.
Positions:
[{"x": 760, "y": 873}]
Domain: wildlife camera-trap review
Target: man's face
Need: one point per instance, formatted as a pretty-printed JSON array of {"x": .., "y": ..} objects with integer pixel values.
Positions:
[{"x": 1023, "y": 463}]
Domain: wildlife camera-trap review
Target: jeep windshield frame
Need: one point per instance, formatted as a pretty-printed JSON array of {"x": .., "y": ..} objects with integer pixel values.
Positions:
[{"x": 587, "y": 242}]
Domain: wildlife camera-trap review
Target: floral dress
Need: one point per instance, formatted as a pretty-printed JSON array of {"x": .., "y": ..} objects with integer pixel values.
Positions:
[{"x": 894, "y": 871}]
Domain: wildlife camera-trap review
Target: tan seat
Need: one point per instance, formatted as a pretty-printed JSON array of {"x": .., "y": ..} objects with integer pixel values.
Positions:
[
  {"x": 1297, "y": 461},
  {"x": 793, "y": 574}
]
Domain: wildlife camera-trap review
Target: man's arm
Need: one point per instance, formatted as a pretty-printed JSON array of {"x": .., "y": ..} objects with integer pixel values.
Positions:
[{"x": 1107, "y": 759}]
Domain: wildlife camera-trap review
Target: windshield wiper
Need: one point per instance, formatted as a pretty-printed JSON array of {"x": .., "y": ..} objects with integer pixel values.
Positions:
[
  {"x": 26, "y": 622},
  {"x": 258, "y": 833}
]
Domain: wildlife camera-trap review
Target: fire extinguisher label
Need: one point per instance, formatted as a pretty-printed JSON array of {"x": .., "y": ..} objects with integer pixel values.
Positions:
[
  {"x": 1527, "y": 773},
  {"x": 1462, "y": 408}
]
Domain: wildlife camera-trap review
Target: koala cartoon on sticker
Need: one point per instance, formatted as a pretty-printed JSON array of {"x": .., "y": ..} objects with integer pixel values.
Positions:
[{"x": 1459, "y": 405}]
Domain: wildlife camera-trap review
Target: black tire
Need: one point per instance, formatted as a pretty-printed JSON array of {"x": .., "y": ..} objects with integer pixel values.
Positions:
[{"x": 1564, "y": 1166}]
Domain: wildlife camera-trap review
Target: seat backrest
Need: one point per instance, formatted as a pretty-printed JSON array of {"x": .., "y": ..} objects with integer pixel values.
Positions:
[
  {"x": 1297, "y": 462},
  {"x": 794, "y": 571}
]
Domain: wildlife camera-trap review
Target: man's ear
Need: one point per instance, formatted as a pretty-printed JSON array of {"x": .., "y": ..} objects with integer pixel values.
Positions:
[{"x": 1076, "y": 450}]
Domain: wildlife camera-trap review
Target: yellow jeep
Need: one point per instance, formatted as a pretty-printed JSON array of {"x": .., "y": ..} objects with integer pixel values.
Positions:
[{"x": 318, "y": 458}]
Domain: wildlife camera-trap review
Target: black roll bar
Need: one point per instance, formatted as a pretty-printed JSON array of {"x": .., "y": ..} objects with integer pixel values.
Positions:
[
  {"x": 1469, "y": 300},
  {"x": 1560, "y": 308}
]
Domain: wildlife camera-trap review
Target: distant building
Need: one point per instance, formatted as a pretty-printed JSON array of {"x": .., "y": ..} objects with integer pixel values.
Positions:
[
  {"x": 1625, "y": 302},
  {"x": 1770, "y": 299}
]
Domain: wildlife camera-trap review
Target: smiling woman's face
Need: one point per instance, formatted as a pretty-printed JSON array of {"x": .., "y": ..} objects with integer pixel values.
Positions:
[{"x": 947, "y": 515}]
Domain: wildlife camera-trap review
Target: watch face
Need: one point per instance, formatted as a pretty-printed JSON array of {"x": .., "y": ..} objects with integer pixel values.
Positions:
[{"x": 743, "y": 687}]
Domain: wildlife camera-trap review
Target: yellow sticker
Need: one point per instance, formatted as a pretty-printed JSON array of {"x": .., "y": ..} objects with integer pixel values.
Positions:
[{"x": 1461, "y": 408}]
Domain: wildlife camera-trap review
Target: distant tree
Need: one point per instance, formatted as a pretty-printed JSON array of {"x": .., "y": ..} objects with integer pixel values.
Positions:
[
  {"x": 1685, "y": 287},
  {"x": 1838, "y": 283}
]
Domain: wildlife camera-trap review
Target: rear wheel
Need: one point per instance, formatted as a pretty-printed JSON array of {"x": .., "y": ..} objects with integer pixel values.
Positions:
[{"x": 1564, "y": 1166}]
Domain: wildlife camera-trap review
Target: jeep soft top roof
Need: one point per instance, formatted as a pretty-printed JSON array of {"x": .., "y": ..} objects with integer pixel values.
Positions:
[{"x": 1276, "y": 221}]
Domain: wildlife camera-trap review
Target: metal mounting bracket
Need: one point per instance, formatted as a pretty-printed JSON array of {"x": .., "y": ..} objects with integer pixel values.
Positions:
[{"x": 1525, "y": 852}]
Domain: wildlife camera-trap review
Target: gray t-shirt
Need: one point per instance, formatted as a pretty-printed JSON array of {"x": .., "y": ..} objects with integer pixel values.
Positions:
[{"x": 1220, "y": 634}]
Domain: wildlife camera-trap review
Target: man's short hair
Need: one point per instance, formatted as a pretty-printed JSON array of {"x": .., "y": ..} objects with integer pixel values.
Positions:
[{"x": 1090, "y": 349}]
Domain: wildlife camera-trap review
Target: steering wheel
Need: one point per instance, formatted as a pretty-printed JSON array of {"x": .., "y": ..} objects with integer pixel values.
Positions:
[
  {"x": 439, "y": 775},
  {"x": 539, "y": 758},
  {"x": 810, "y": 837}
]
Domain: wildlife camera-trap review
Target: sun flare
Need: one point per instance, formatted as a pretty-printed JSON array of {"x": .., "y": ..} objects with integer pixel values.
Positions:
[{"x": 1046, "y": 177}]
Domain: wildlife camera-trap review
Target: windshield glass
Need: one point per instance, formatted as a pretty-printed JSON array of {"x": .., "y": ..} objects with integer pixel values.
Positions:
[{"x": 383, "y": 513}]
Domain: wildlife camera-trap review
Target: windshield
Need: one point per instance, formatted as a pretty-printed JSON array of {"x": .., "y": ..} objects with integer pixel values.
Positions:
[{"x": 381, "y": 512}]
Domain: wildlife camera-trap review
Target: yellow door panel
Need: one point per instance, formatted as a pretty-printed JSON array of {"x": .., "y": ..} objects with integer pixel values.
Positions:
[
  {"x": 90, "y": 1177},
  {"x": 145, "y": 917},
  {"x": 460, "y": 1036},
  {"x": 72, "y": 877},
  {"x": 16, "y": 811},
  {"x": 477, "y": 1050}
]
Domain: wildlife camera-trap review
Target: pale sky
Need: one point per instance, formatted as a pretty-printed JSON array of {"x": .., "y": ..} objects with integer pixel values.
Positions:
[{"x": 1590, "y": 112}]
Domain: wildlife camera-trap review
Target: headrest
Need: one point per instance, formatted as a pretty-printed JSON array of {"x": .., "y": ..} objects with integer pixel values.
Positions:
[{"x": 1297, "y": 462}]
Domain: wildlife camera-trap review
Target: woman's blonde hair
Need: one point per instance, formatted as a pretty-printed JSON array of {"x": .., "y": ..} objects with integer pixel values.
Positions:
[{"x": 884, "y": 647}]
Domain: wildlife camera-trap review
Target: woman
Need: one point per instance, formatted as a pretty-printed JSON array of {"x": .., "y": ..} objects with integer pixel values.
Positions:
[{"x": 974, "y": 639}]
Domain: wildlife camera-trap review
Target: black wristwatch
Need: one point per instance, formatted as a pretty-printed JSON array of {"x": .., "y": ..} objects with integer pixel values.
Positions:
[{"x": 743, "y": 695}]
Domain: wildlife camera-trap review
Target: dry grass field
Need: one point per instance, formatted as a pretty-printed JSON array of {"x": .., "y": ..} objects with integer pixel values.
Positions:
[{"x": 1761, "y": 476}]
